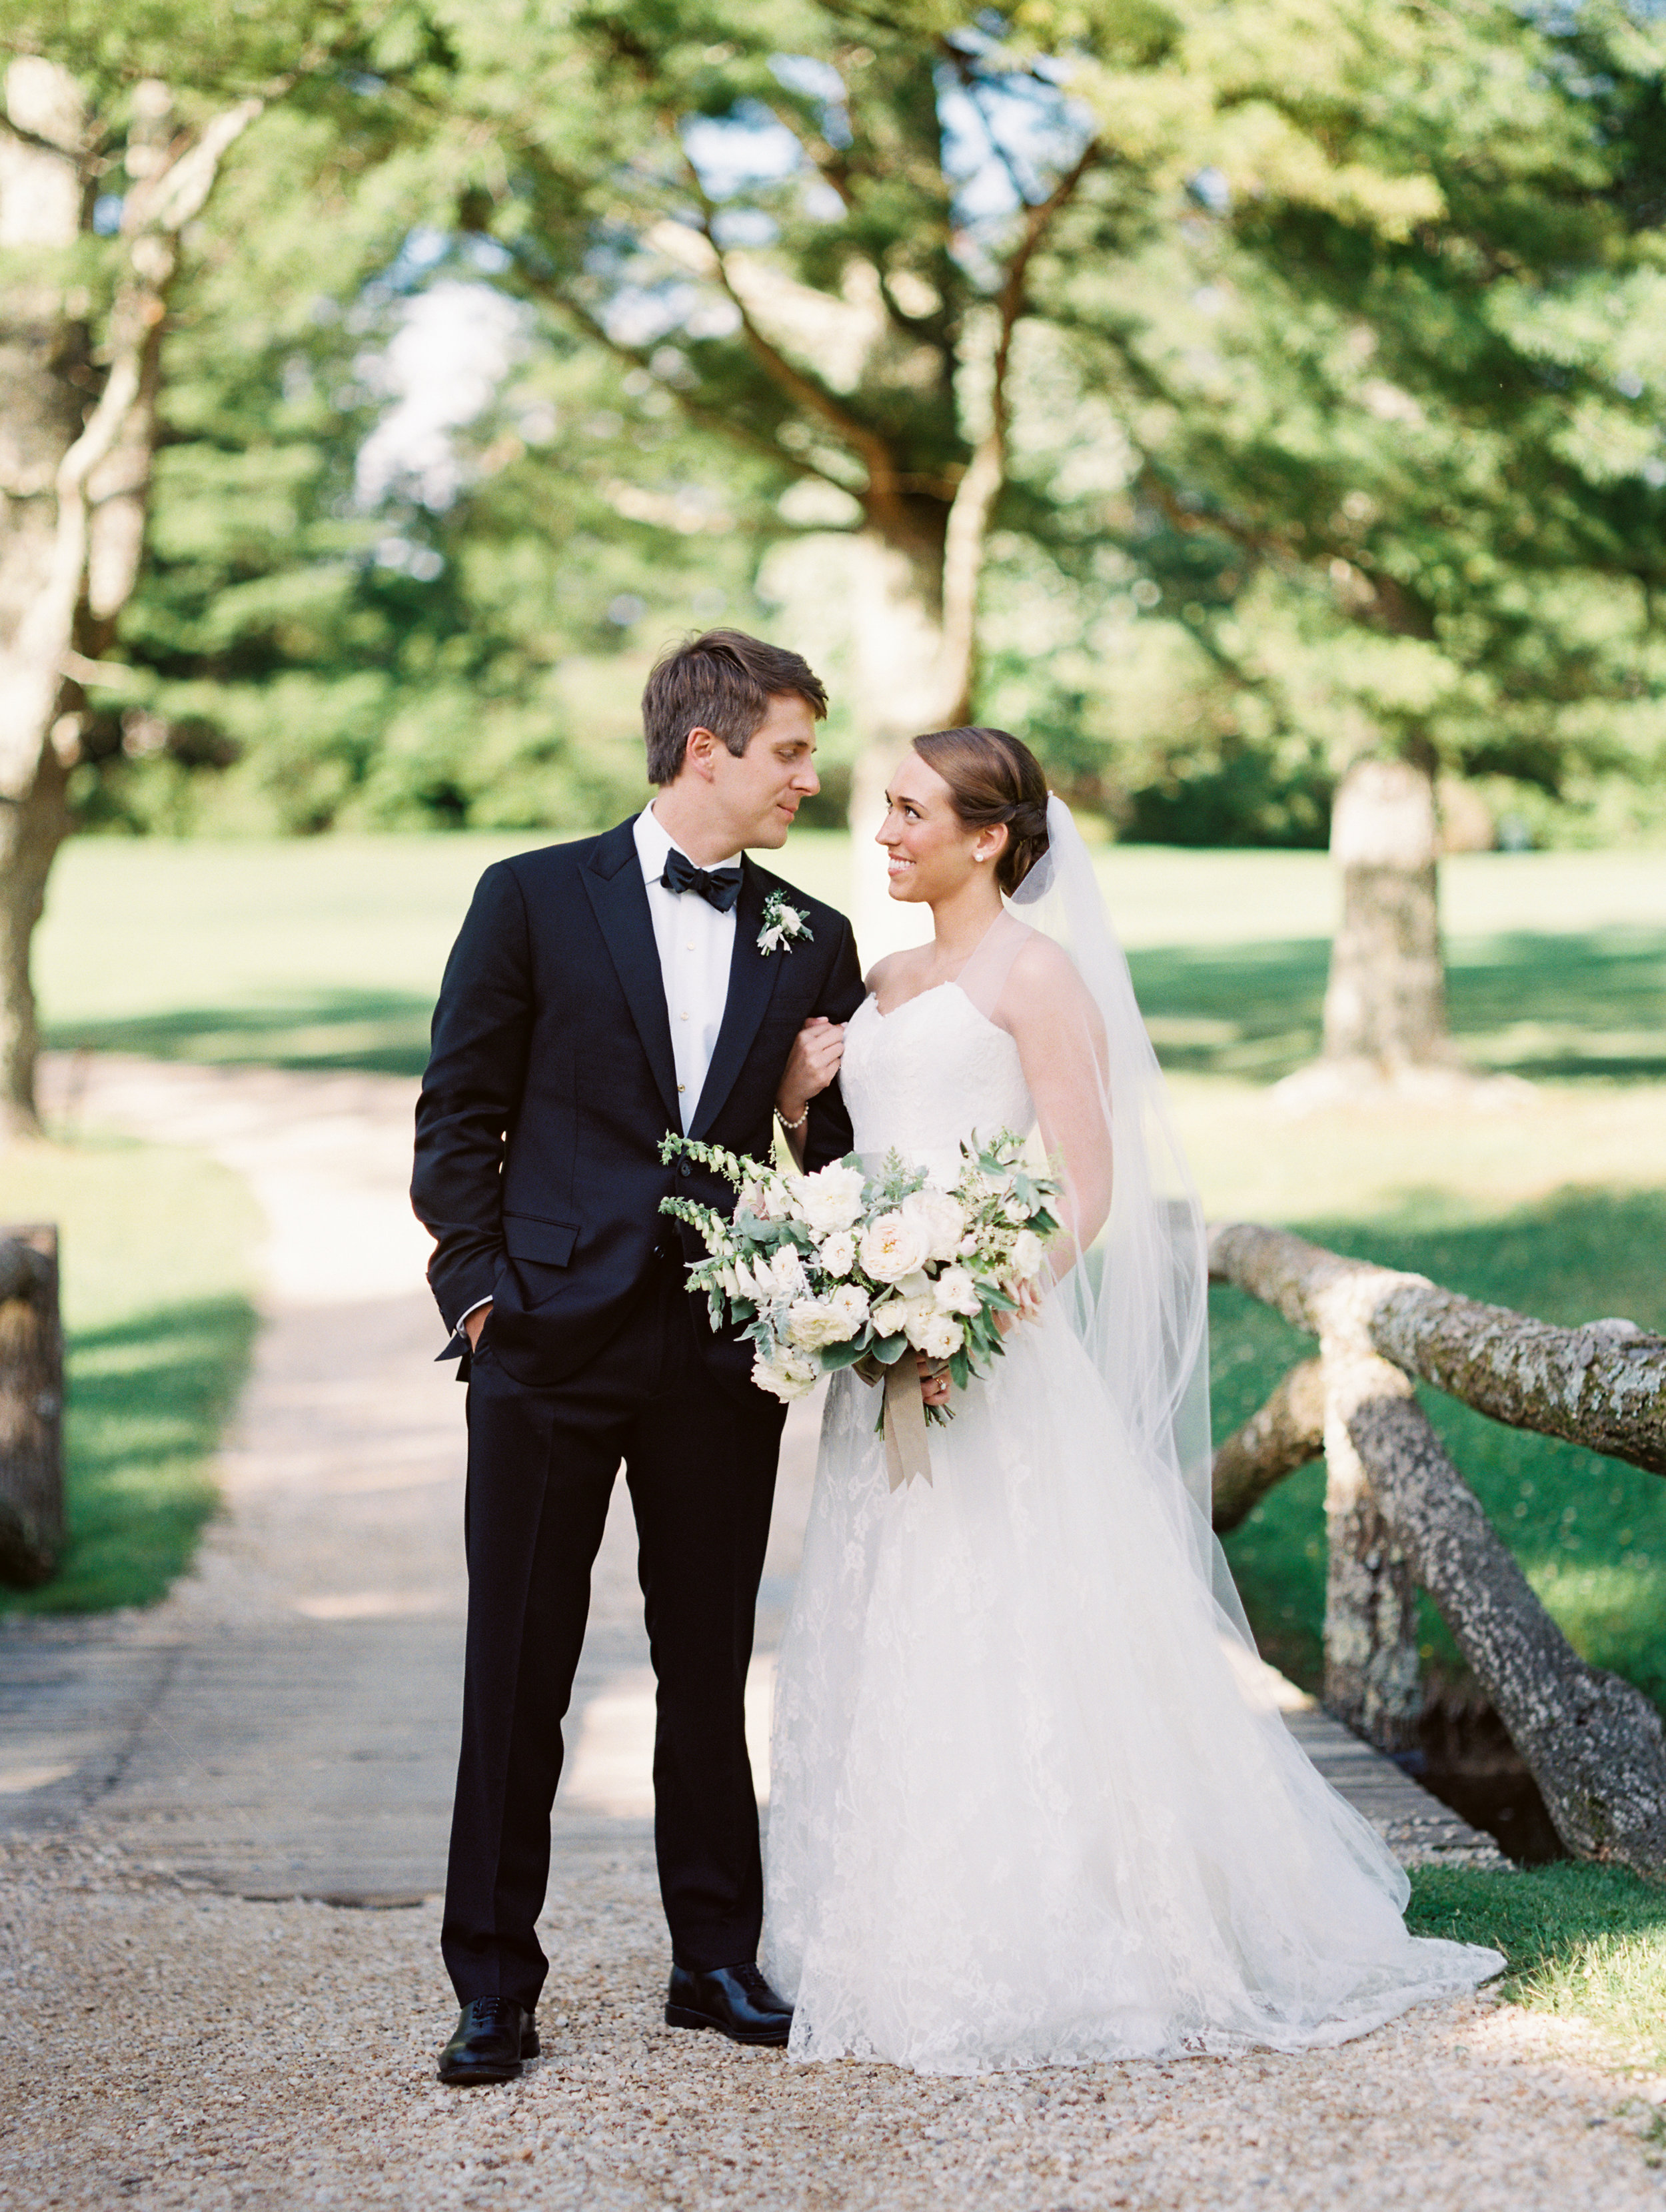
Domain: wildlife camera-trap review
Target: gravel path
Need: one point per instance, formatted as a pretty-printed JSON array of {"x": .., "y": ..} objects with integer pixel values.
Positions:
[
  {"x": 183, "y": 2023},
  {"x": 199, "y": 2051}
]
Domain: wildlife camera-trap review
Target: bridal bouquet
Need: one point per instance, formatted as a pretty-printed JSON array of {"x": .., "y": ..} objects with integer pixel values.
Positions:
[{"x": 844, "y": 1269}]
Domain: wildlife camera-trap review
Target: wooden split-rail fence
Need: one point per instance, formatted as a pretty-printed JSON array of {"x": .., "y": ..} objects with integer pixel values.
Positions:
[{"x": 1400, "y": 1517}]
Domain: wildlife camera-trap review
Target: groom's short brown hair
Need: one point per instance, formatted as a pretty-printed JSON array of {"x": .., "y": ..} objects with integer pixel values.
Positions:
[{"x": 721, "y": 681}]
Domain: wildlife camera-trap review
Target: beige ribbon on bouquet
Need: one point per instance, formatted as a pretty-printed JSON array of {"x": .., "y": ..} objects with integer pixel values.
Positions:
[{"x": 907, "y": 1452}]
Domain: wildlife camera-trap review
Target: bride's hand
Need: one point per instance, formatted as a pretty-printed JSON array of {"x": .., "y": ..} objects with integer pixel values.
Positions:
[
  {"x": 810, "y": 1066},
  {"x": 1029, "y": 1309},
  {"x": 934, "y": 1379}
]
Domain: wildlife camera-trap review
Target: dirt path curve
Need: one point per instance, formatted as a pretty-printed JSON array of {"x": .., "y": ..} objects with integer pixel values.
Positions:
[{"x": 185, "y": 2021}]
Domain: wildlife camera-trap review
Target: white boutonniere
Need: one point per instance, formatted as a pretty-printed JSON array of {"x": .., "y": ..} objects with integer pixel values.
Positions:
[{"x": 783, "y": 925}]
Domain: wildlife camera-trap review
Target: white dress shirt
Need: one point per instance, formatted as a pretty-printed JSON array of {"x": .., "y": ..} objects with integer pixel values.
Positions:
[{"x": 697, "y": 945}]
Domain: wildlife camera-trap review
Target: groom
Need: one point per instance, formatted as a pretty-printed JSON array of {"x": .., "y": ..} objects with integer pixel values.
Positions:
[{"x": 601, "y": 994}]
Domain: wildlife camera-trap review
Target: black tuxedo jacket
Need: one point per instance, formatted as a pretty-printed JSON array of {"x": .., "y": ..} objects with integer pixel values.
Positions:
[{"x": 550, "y": 1084}]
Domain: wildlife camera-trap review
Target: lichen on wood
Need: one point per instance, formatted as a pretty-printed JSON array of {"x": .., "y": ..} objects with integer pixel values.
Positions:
[
  {"x": 1594, "y": 1743},
  {"x": 1288, "y": 1433}
]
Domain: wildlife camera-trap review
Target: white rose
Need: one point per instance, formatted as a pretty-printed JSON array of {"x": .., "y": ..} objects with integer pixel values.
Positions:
[
  {"x": 1028, "y": 1253},
  {"x": 786, "y": 1272},
  {"x": 942, "y": 1217},
  {"x": 890, "y": 1317},
  {"x": 812, "y": 1323},
  {"x": 967, "y": 1248},
  {"x": 837, "y": 1253},
  {"x": 831, "y": 1198},
  {"x": 850, "y": 1301},
  {"x": 893, "y": 1246},
  {"x": 918, "y": 1317},
  {"x": 1016, "y": 1212},
  {"x": 956, "y": 1292},
  {"x": 941, "y": 1337},
  {"x": 788, "y": 1378}
]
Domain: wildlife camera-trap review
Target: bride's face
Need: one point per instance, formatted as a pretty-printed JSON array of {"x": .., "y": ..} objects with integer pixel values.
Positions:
[{"x": 929, "y": 851}]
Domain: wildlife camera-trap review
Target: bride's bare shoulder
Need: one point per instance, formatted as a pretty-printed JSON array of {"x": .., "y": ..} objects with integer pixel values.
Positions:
[
  {"x": 891, "y": 974},
  {"x": 1042, "y": 971}
]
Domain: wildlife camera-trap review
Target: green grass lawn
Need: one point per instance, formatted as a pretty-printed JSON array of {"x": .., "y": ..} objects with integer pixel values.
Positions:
[
  {"x": 157, "y": 1250},
  {"x": 1582, "y": 1942},
  {"x": 326, "y": 952}
]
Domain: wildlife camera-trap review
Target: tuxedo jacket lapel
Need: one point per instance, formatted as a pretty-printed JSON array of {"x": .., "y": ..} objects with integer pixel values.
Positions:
[
  {"x": 613, "y": 879},
  {"x": 752, "y": 981}
]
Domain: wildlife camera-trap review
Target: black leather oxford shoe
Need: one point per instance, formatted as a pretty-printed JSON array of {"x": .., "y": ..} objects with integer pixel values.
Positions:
[
  {"x": 736, "y": 2001},
  {"x": 492, "y": 2041}
]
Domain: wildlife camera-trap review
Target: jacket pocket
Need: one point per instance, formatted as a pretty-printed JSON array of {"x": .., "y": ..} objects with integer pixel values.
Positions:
[{"x": 546, "y": 1243}]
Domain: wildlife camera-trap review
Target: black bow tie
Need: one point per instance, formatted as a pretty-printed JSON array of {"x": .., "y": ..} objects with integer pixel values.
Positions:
[{"x": 719, "y": 887}]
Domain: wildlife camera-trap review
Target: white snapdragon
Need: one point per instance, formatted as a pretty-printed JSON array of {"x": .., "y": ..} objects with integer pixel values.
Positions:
[
  {"x": 941, "y": 1217},
  {"x": 831, "y": 1198},
  {"x": 893, "y": 1246}
]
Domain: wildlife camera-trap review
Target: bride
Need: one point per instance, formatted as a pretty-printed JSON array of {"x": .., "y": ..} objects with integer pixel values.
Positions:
[{"x": 1030, "y": 1804}]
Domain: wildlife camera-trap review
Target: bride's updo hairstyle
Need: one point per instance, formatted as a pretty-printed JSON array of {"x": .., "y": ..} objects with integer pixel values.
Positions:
[{"x": 994, "y": 777}]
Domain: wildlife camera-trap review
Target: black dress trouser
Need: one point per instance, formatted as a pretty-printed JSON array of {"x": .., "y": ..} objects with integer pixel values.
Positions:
[{"x": 700, "y": 1462}]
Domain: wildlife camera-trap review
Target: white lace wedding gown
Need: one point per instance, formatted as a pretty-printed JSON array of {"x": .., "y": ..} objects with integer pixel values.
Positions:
[{"x": 1029, "y": 1804}]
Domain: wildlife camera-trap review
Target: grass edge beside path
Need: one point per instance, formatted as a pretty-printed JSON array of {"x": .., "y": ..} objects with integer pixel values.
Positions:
[
  {"x": 158, "y": 1248},
  {"x": 1584, "y": 1942}
]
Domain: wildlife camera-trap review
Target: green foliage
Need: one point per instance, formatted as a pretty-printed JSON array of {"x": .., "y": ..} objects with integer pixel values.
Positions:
[
  {"x": 157, "y": 1263},
  {"x": 1387, "y": 379},
  {"x": 1584, "y": 1942},
  {"x": 1333, "y": 418}
]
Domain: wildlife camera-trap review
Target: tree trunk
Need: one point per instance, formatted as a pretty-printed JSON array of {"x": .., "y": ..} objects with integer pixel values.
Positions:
[
  {"x": 74, "y": 480},
  {"x": 31, "y": 1408},
  {"x": 1385, "y": 1003},
  {"x": 31, "y": 827},
  {"x": 42, "y": 351},
  {"x": 896, "y": 640}
]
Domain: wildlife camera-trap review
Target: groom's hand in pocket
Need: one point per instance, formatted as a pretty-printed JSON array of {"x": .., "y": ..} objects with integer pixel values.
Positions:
[{"x": 475, "y": 1323}]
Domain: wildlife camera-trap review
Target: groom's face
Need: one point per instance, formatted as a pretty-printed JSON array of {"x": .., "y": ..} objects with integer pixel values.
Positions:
[{"x": 760, "y": 791}]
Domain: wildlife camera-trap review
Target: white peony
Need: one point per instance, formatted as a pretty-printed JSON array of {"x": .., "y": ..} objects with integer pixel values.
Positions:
[
  {"x": 831, "y": 1198},
  {"x": 794, "y": 1377},
  {"x": 956, "y": 1292},
  {"x": 837, "y": 1253},
  {"x": 890, "y": 1317},
  {"x": 942, "y": 1217},
  {"x": 812, "y": 1323},
  {"x": 893, "y": 1246},
  {"x": 850, "y": 1301},
  {"x": 1028, "y": 1253},
  {"x": 941, "y": 1337}
]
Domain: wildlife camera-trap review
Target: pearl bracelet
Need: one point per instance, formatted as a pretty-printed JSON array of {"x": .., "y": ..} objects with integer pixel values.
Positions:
[{"x": 799, "y": 1123}]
